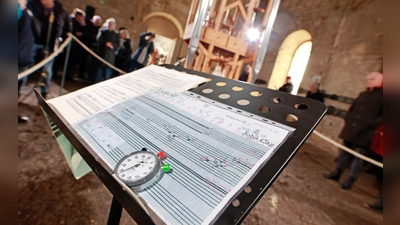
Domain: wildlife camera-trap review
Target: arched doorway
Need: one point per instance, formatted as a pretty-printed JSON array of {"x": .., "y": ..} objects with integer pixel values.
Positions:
[
  {"x": 169, "y": 33},
  {"x": 291, "y": 60}
]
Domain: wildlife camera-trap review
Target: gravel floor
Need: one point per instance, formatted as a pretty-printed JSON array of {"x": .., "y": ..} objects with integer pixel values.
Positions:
[{"x": 49, "y": 194}]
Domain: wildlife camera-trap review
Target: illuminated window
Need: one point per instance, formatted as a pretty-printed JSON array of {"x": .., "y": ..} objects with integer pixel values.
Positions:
[{"x": 299, "y": 64}]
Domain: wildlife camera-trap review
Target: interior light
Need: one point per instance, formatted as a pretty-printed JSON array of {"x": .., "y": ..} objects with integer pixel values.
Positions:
[{"x": 253, "y": 34}]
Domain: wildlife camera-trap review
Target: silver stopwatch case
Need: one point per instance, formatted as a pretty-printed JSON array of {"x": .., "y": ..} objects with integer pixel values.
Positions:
[{"x": 139, "y": 170}]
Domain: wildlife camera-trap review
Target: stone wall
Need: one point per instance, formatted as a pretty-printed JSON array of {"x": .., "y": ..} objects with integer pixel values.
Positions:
[{"x": 347, "y": 37}]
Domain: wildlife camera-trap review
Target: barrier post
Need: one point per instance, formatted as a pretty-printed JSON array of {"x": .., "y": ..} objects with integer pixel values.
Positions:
[{"x": 65, "y": 68}]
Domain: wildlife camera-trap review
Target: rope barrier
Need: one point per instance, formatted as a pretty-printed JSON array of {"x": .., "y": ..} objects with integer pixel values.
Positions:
[
  {"x": 95, "y": 55},
  {"x": 46, "y": 60},
  {"x": 71, "y": 36},
  {"x": 349, "y": 150}
]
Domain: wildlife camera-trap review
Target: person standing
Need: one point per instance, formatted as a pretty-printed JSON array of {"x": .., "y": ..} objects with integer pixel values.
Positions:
[
  {"x": 362, "y": 120},
  {"x": 315, "y": 93},
  {"x": 50, "y": 25},
  {"x": 247, "y": 74},
  {"x": 141, "y": 55},
  {"x": 288, "y": 86},
  {"x": 108, "y": 42},
  {"x": 94, "y": 25},
  {"x": 25, "y": 46},
  {"x": 124, "y": 50},
  {"x": 78, "y": 55}
]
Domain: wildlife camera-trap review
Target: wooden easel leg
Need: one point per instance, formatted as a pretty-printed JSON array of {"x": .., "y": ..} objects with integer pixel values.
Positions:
[{"x": 115, "y": 212}]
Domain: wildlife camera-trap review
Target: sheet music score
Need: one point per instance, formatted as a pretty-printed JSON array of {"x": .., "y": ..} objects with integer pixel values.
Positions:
[
  {"x": 213, "y": 151},
  {"x": 80, "y": 104}
]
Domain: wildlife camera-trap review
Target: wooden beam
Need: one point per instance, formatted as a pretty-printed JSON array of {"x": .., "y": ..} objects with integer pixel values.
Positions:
[
  {"x": 235, "y": 60},
  {"x": 232, "y": 5},
  {"x": 212, "y": 9},
  {"x": 198, "y": 62},
  {"x": 238, "y": 69},
  {"x": 219, "y": 15},
  {"x": 267, "y": 13}
]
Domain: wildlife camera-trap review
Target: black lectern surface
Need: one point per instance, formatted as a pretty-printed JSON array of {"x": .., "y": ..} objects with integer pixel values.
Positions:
[{"x": 300, "y": 113}]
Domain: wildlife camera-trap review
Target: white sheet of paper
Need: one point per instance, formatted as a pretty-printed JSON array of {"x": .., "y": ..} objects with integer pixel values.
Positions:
[
  {"x": 80, "y": 104},
  {"x": 214, "y": 149}
]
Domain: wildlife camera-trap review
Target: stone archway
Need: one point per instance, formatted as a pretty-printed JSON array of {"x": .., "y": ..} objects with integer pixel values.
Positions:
[
  {"x": 169, "y": 34},
  {"x": 285, "y": 56},
  {"x": 163, "y": 23}
]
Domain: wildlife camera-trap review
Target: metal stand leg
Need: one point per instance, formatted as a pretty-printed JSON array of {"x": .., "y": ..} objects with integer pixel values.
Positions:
[
  {"x": 115, "y": 212},
  {"x": 65, "y": 68}
]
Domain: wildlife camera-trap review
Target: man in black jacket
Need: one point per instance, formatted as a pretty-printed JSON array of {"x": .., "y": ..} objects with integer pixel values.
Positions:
[
  {"x": 25, "y": 47},
  {"x": 315, "y": 93},
  {"x": 361, "y": 122},
  {"x": 46, "y": 13},
  {"x": 141, "y": 54},
  {"x": 288, "y": 86},
  {"x": 108, "y": 43}
]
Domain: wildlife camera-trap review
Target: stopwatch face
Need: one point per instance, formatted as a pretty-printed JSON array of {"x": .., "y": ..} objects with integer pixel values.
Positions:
[{"x": 138, "y": 168}]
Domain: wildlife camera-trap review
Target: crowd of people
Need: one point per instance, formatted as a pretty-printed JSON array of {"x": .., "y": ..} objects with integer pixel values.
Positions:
[{"x": 44, "y": 25}]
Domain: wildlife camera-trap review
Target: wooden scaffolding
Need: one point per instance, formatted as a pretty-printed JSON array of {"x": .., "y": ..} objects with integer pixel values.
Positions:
[{"x": 230, "y": 35}]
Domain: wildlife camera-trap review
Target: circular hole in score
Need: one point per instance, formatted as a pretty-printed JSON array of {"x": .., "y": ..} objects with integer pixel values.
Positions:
[
  {"x": 237, "y": 88},
  {"x": 243, "y": 102},
  {"x": 277, "y": 100},
  {"x": 291, "y": 118},
  {"x": 224, "y": 96},
  {"x": 255, "y": 93},
  {"x": 236, "y": 203},
  {"x": 247, "y": 189},
  {"x": 220, "y": 84},
  {"x": 264, "y": 109},
  {"x": 301, "y": 106},
  {"x": 207, "y": 91},
  {"x": 208, "y": 79}
]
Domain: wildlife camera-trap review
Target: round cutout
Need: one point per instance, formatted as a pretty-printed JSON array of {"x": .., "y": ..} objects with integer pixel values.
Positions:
[
  {"x": 224, "y": 96},
  {"x": 301, "y": 106},
  {"x": 255, "y": 93},
  {"x": 277, "y": 100},
  {"x": 237, "y": 88},
  {"x": 247, "y": 189},
  {"x": 220, "y": 84},
  {"x": 291, "y": 118},
  {"x": 207, "y": 91},
  {"x": 264, "y": 109},
  {"x": 243, "y": 102},
  {"x": 208, "y": 79},
  {"x": 236, "y": 203}
]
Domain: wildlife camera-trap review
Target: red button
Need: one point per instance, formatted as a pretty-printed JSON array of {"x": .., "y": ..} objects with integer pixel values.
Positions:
[{"x": 161, "y": 154}]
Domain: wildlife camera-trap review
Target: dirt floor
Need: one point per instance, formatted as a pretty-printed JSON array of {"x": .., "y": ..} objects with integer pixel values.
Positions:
[{"x": 49, "y": 194}]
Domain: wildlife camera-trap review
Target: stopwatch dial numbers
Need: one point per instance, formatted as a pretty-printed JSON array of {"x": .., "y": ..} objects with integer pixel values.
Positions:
[{"x": 137, "y": 166}]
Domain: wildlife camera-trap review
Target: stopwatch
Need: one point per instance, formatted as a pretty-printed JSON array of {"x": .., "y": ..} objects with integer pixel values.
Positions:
[{"x": 141, "y": 169}]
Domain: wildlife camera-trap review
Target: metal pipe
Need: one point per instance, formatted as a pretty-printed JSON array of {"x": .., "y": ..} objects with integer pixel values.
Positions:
[
  {"x": 204, "y": 7},
  {"x": 264, "y": 42},
  {"x": 65, "y": 68}
]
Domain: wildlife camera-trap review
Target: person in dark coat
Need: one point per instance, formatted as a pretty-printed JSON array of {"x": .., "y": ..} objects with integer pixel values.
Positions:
[
  {"x": 362, "y": 120},
  {"x": 124, "y": 51},
  {"x": 108, "y": 42},
  {"x": 246, "y": 75},
  {"x": 141, "y": 54},
  {"x": 288, "y": 86},
  {"x": 25, "y": 47},
  {"x": 79, "y": 55},
  {"x": 42, "y": 11},
  {"x": 94, "y": 25},
  {"x": 315, "y": 93}
]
